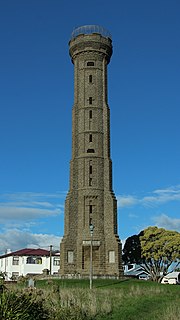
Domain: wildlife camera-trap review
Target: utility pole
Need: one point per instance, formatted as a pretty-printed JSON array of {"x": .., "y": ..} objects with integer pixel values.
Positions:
[
  {"x": 50, "y": 268},
  {"x": 91, "y": 227}
]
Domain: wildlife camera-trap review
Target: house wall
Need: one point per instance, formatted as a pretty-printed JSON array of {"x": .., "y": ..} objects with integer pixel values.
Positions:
[{"x": 18, "y": 266}]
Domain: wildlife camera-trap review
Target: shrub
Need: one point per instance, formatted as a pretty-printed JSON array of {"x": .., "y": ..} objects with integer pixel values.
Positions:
[{"x": 22, "y": 305}]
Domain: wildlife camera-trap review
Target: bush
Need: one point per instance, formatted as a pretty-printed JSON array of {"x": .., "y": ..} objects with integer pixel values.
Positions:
[{"x": 22, "y": 306}]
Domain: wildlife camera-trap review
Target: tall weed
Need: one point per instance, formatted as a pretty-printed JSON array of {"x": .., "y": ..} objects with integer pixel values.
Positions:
[{"x": 171, "y": 312}]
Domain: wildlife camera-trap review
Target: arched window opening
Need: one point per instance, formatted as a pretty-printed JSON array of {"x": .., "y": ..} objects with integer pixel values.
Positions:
[{"x": 90, "y": 151}]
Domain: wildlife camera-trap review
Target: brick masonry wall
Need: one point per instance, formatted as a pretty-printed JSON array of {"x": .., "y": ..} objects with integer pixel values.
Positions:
[{"x": 90, "y": 198}]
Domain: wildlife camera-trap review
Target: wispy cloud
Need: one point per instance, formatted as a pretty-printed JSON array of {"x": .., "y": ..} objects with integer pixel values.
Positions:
[
  {"x": 162, "y": 196},
  {"x": 27, "y": 206},
  {"x": 133, "y": 215},
  {"x": 25, "y": 213},
  {"x": 16, "y": 239},
  {"x": 31, "y": 195},
  {"x": 127, "y": 201},
  {"x": 152, "y": 199},
  {"x": 166, "y": 222}
]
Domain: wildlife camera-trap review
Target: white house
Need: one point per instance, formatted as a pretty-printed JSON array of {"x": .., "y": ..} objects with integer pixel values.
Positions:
[
  {"x": 136, "y": 271},
  {"x": 29, "y": 262},
  {"x": 171, "y": 278}
]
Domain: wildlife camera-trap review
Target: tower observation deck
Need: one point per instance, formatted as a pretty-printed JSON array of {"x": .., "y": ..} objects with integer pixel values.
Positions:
[
  {"x": 90, "y": 200},
  {"x": 90, "y": 29}
]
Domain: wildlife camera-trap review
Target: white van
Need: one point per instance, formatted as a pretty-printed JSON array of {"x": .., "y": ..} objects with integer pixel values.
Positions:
[{"x": 171, "y": 278}]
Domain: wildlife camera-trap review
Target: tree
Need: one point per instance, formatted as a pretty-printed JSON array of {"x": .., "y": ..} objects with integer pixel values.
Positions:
[
  {"x": 132, "y": 250},
  {"x": 158, "y": 249}
]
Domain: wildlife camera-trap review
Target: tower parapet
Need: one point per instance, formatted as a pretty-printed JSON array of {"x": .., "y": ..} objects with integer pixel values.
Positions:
[
  {"x": 90, "y": 39},
  {"x": 90, "y": 29}
]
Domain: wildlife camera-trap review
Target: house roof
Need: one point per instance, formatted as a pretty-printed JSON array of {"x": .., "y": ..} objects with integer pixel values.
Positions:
[
  {"x": 136, "y": 271},
  {"x": 29, "y": 252}
]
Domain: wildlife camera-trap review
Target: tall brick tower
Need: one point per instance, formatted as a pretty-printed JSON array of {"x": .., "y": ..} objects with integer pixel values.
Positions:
[{"x": 90, "y": 200}]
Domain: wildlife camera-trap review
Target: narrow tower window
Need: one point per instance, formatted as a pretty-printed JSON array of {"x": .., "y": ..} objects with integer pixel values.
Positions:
[
  {"x": 90, "y": 114},
  {"x": 82, "y": 257},
  {"x": 90, "y": 208},
  {"x": 90, "y": 138},
  {"x": 90, "y": 169},
  {"x": 90, "y": 182},
  {"x": 90, "y": 100},
  {"x": 90, "y": 78}
]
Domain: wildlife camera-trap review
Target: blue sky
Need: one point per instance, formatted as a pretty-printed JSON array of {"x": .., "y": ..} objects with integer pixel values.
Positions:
[{"x": 36, "y": 98}]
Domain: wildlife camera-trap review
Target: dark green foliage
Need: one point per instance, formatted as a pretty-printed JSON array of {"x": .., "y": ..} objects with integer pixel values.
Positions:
[{"x": 132, "y": 249}]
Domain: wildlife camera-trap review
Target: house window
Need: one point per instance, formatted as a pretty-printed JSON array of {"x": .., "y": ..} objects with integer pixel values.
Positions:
[
  {"x": 90, "y": 78},
  {"x": 38, "y": 260},
  {"x": 30, "y": 260},
  {"x": 56, "y": 262},
  {"x": 90, "y": 138},
  {"x": 34, "y": 260},
  {"x": 111, "y": 256},
  {"x": 90, "y": 63},
  {"x": 130, "y": 266},
  {"x": 90, "y": 100},
  {"x": 70, "y": 256},
  {"x": 15, "y": 275},
  {"x": 15, "y": 261}
]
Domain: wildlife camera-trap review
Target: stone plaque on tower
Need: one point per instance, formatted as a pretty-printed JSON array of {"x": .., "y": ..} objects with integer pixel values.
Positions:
[{"x": 90, "y": 200}]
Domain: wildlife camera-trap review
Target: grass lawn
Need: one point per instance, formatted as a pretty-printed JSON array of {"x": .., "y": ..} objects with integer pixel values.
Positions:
[{"x": 123, "y": 299}]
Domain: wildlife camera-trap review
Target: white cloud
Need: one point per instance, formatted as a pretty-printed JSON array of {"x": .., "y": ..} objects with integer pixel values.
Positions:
[
  {"x": 27, "y": 206},
  {"x": 29, "y": 196},
  {"x": 25, "y": 213},
  {"x": 126, "y": 201},
  {"x": 162, "y": 196},
  {"x": 166, "y": 222},
  {"x": 153, "y": 199},
  {"x": 16, "y": 239}
]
